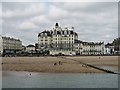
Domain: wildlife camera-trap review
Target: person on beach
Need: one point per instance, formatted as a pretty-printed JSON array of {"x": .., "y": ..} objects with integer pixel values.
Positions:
[
  {"x": 55, "y": 64},
  {"x": 60, "y": 63}
]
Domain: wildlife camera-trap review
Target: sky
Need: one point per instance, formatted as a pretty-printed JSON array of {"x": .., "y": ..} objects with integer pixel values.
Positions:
[{"x": 93, "y": 21}]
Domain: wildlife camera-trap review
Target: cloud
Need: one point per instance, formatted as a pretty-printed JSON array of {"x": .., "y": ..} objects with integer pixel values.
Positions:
[
  {"x": 0, "y": 19},
  {"x": 60, "y": 0},
  {"x": 22, "y": 10},
  {"x": 39, "y": 19},
  {"x": 57, "y": 13},
  {"x": 27, "y": 25},
  {"x": 93, "y": 21}
]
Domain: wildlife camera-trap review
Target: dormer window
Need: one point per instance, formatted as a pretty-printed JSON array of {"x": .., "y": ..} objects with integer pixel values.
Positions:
[
  {"x": 45, "y": 34},
  {"x": 65, "y": 32},
  {"x": 41, "y": 34}
]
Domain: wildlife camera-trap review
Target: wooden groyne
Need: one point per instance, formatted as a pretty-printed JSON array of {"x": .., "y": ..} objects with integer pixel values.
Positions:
[{"x": 89, "y": 65}]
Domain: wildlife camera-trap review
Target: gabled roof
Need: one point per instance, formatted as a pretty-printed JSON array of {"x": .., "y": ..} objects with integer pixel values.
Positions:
[
  {"x": 48, "y": 33},
  {"x": 9, "y": 38},
  {"x": 30, "y": 45}
]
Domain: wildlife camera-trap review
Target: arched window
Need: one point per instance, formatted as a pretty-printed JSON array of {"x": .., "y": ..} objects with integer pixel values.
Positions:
[
  {"x": 41, "y": 34},
  {"x": 45, "y": 34},
  {"x": 65, "y": 32}
]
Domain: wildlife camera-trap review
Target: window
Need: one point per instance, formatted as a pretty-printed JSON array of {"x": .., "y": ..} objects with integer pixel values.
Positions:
[
  {"x": 62, "y": 32},
  {"x": 65, "y": 32},
  {"x": 45, "y": 34},
  {"x": 41, "y": 34}
]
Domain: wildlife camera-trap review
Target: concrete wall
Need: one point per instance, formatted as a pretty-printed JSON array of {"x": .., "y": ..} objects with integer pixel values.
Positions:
[{"x": 65, "y": 52}]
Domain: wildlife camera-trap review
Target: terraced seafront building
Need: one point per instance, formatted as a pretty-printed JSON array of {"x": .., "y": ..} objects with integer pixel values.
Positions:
[
  {"x": 89, "y": 48},
  {"x": 65, "y": 41},
  {"x": 10, "y": 45}
]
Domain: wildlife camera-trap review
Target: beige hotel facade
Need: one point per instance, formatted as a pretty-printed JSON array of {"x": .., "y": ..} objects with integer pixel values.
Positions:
[{"x": 65, "y": 41}]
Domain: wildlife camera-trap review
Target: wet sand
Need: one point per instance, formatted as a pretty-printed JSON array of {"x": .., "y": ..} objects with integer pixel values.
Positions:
[
  {"x": 100, "y": 61},
  {"x": 51, "y": 64}
]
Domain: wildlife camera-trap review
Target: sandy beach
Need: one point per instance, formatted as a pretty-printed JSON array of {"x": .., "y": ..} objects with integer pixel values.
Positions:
[{"x": 51, "y": 64}]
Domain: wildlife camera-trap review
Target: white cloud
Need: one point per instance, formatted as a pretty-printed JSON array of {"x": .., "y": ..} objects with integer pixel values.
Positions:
[
  {"x": 27, "y": 25},
  {"x": 39, "y": 19},
  {"x": 92, "y": 21},
  {"x": 31, "y": 9},
  {"x": 57, "y": 13}
]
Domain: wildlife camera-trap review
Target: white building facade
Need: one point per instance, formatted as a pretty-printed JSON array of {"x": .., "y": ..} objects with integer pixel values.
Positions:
[
  {"x": 65, "y": 41},
  {"x": 11, "y": 44},
  {"x": 30, "y": 48},
  {"x": 109, "y": 49},
  {"x": 89, "y": 48},
  {"x": 58, "y": 40}
]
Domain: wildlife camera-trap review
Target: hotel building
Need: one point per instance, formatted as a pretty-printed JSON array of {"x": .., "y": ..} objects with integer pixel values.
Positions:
[{"x": 65, "y": 41}]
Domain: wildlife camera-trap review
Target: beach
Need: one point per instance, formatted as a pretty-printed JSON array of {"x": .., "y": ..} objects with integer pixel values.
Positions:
[{"x": 61, "y": 64}]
